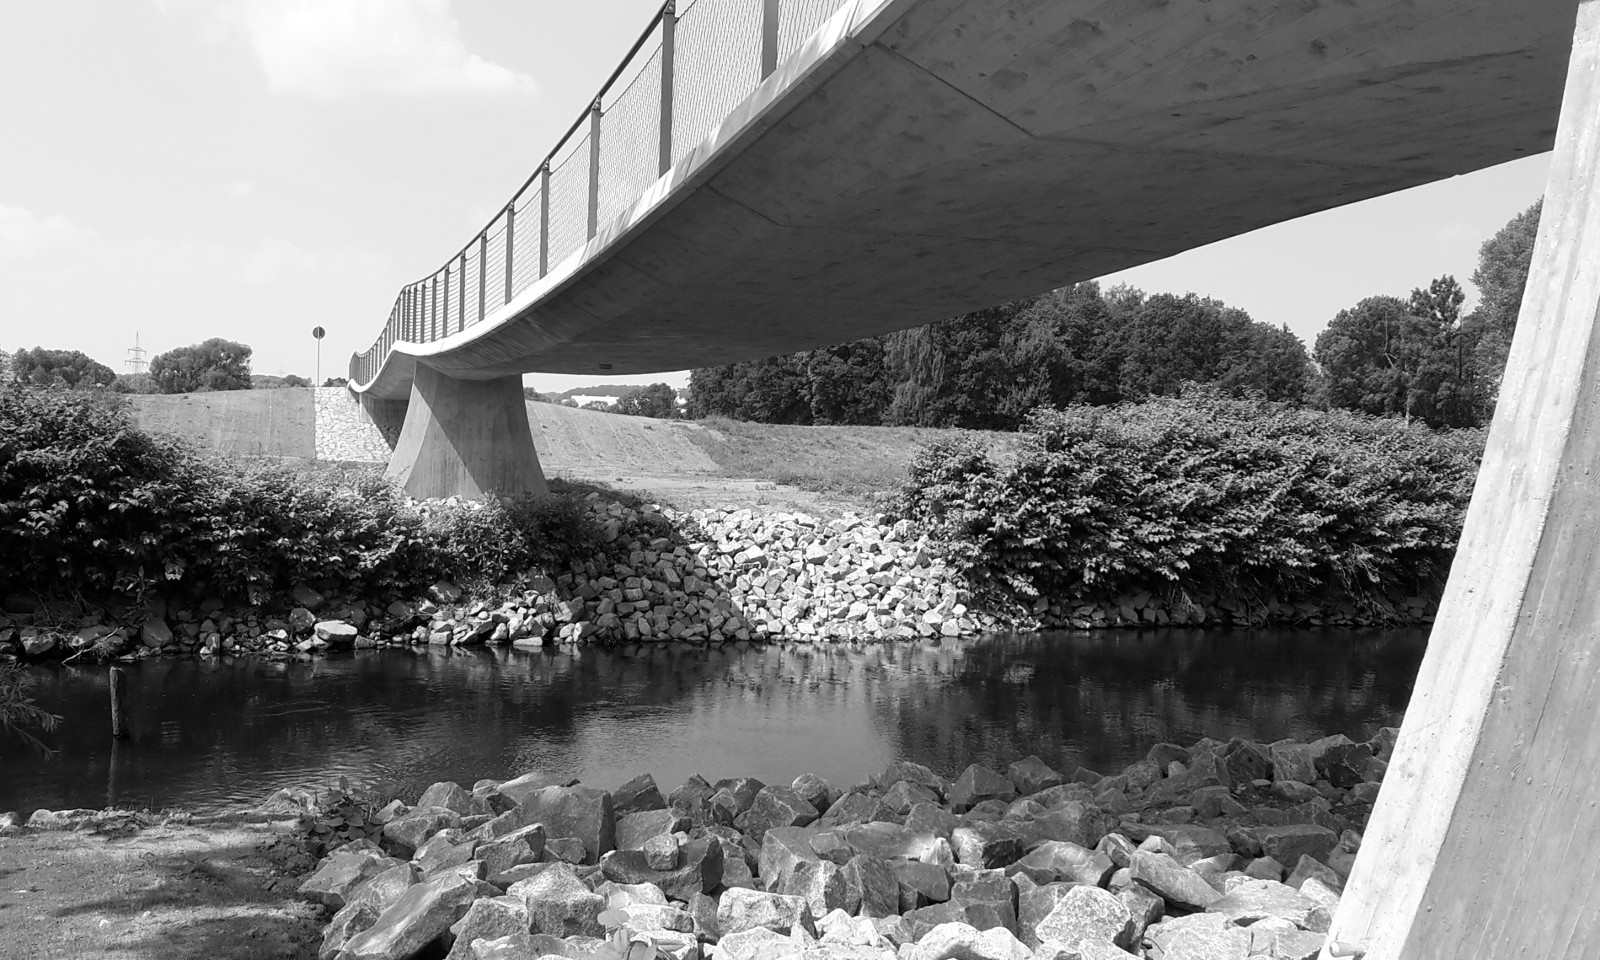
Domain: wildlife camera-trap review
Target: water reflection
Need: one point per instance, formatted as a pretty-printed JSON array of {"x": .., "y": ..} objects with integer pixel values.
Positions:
[{"x": 206, "y": 734}]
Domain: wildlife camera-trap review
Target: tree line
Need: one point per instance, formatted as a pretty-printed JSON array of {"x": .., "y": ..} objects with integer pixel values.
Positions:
[
  {"x": 215, "y": 364},
  {"x": 1418, "y": 358}
]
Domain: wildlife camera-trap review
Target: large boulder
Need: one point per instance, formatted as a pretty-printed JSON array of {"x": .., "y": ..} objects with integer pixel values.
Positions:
[
  {"x": 341, "y": 872},
  {"x": 776, "y": 806},
  {"x": 514, "y": 792},
  {"x": 636, "y": 829},
  {"x": 741, "y": 910},
  {"x": 822, "y": 886},
  {"x": 700, "y": 869},
  {"x": 519, "y": 847},
  {"x": 781, "y": 849},
  {"x": 872, "y": 883},
  {"x": 978, "y": 783},
  {"x": 636, "y": 796},
  {"x": 1030, "y": 775},
  {"x": 961, "y": 941},
  {"x": 1291, "y": 841},
  {"x": 1252, "y": 900},
  {"x": 579, "y": 812},
  {"x": 488, "y": 919},
  {"x": 1179, "y": 886},
  {"x": 1056, "y": 860},
  {"x": 559, "y": 903},
  {"x": 411, "y": 831},
  {"x": 421, "y": 915},
  {"x": 1087, "y": 913},
  {"x": 451, "y": 796}
]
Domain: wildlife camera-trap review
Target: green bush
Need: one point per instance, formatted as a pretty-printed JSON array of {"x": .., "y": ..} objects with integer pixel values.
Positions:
[
  {"x": 89, "y": 504},
  {"x": 1231, "y": 497}
]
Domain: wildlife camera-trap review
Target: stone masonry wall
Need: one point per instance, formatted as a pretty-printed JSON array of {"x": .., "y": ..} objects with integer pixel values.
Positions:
[{"x": 344, "y": 431}]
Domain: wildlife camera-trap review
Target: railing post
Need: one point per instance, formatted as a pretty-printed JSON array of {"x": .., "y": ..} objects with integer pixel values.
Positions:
[
  {"x": 669, "y": 33},
  {"x": 444, "y": 311},
  {"x": 461, "y": 295},
  {"x": 483, "y": 268},
  {"x": 544, "y": 219},
  {"x": 511, "y": 244},
  {"x": 433, "y": 309},
  {"x": 594, "y": 168},
  {"x": 769, "y": 37}
]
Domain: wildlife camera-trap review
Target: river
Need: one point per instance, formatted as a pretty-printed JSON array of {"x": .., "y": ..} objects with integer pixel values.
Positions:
[{"x": 208, "y": 734}]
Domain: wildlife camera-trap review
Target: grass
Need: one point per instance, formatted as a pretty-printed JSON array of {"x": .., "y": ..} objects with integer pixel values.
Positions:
[
  {"x": 238, "y": 423},
  {"x": 860, "y": 462}
]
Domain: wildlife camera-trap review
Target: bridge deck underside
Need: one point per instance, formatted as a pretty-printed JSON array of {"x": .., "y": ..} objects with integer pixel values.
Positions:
[{"x": 922, "y": 158}]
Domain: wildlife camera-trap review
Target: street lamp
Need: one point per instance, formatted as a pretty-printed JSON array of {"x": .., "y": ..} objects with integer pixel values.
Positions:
[{"x": 317, "y": 333}]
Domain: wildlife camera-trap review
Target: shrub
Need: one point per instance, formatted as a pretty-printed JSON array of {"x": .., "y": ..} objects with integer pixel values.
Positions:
[
  {"x": 91, "y": 504},
  {"x": 1240, "y": 498}
]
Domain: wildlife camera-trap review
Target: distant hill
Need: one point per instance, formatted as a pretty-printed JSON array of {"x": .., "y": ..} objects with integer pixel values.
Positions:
[{"x": 610, "y": 392}]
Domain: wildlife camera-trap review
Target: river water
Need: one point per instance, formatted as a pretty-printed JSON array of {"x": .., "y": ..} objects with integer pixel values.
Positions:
[{"x": 208, "y": 734}]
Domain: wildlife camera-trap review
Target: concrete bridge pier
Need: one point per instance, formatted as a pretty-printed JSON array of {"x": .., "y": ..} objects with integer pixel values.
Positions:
[
  {"x": 466, "y": 438},
  {"x": 1482, "y": 842}
]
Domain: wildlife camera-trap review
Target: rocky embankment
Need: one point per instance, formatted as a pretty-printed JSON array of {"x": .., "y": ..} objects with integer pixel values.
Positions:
[
  {"x": 706, "y": 577},
  {"x": 1223, "y": 851}
]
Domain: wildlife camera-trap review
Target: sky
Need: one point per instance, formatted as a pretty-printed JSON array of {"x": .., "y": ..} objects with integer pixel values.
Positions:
[{"x": 174, "y": 170}]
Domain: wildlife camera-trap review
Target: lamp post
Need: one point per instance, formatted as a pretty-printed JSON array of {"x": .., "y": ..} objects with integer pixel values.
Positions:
[{"x": 317, "y": 333}]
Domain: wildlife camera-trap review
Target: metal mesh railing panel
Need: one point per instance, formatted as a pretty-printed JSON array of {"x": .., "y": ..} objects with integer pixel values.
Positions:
[
  {"x": 799, "y": 19},
  {"x": 718, "y": 56},
  {"x": 473, "y": 272},
  {"x": 718, "y": 64},
  {"x": 569, "y": 203},
  {"x": 630, "y": 141},
  {"x": 525, "y": 248},
  {"x": 449, "y": 292},
  {"x": 494, "y": 288}
]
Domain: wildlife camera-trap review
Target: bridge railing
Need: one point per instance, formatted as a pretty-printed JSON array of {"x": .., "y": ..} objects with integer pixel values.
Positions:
[{"x": 694, "y": 63}]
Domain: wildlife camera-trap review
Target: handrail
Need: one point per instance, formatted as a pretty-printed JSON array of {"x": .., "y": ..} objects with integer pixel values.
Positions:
[{"x": 700, "y": 82}]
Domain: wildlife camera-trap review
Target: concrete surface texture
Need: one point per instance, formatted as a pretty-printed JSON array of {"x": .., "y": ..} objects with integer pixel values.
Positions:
[
  {"x": 1477, "y": 847},
  {"x": 234, "y": 423},
  {"x": 465, "y": 438},
  {"x": 916, "y": 159}
]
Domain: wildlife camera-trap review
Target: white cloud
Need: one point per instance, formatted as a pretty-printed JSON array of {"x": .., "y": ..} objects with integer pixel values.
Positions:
[
  {"x": 237, "y": 189},
  {"x": 330, "y": 49},
  {"x": 24, "y": 233}
]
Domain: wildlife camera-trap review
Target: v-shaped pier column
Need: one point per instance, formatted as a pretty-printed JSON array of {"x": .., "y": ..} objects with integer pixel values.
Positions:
[
  {"x": 1483, "y": 841},
  {"x": 466, "y": 438}
]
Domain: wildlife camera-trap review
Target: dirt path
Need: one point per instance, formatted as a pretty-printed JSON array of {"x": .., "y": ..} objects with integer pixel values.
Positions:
[{"x": 161, "y": 893}]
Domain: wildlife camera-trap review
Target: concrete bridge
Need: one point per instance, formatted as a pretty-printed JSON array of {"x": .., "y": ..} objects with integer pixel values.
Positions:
[{"x": 763, "y": 176}]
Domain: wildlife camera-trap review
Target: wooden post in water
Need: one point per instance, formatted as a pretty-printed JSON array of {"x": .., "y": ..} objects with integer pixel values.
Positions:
[{"x": 119, "y": 707}]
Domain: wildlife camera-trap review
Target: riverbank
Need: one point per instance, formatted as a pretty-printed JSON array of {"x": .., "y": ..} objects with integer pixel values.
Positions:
[
  {"x": 1237, "y": 849},
  {"x": 706, "y": 577}
]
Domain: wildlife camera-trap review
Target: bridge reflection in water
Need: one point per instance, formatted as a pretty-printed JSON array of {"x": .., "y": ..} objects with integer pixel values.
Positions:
[{"x": 206, "y": 733}]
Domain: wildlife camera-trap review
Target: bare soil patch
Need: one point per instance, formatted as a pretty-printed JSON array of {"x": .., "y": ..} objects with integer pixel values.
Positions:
[{"x": 165, "y": 892}]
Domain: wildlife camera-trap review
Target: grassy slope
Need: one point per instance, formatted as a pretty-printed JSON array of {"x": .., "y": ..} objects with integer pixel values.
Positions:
[
  {"x": 853, "y": 464},
  {"x": 859, "y": 462},
  {"x": 241, "y": 423}
]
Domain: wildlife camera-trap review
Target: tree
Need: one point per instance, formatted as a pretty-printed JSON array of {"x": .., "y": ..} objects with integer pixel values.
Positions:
[
  {"x": 5, "y": 366},
  {"x": 1501, "y": 277},
  {"x": 135, "y": 383},
  {"x": 847, "y": 383},
  {"x": 1410, "y": 358},
  {"x": 62, "y": 368},
  {"x": 1363, "y": 355},
  {"x": 216, "y": 364},
  {"x": 294, "y": 380},
  {"x": 336, "y": 382},
  {"x": 657, "y": 400}
]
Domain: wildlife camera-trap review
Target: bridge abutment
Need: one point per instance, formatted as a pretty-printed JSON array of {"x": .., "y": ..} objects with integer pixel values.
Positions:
[
  {"x": 465, "y": 438},
  {"x": 1481, "y": 842}
]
